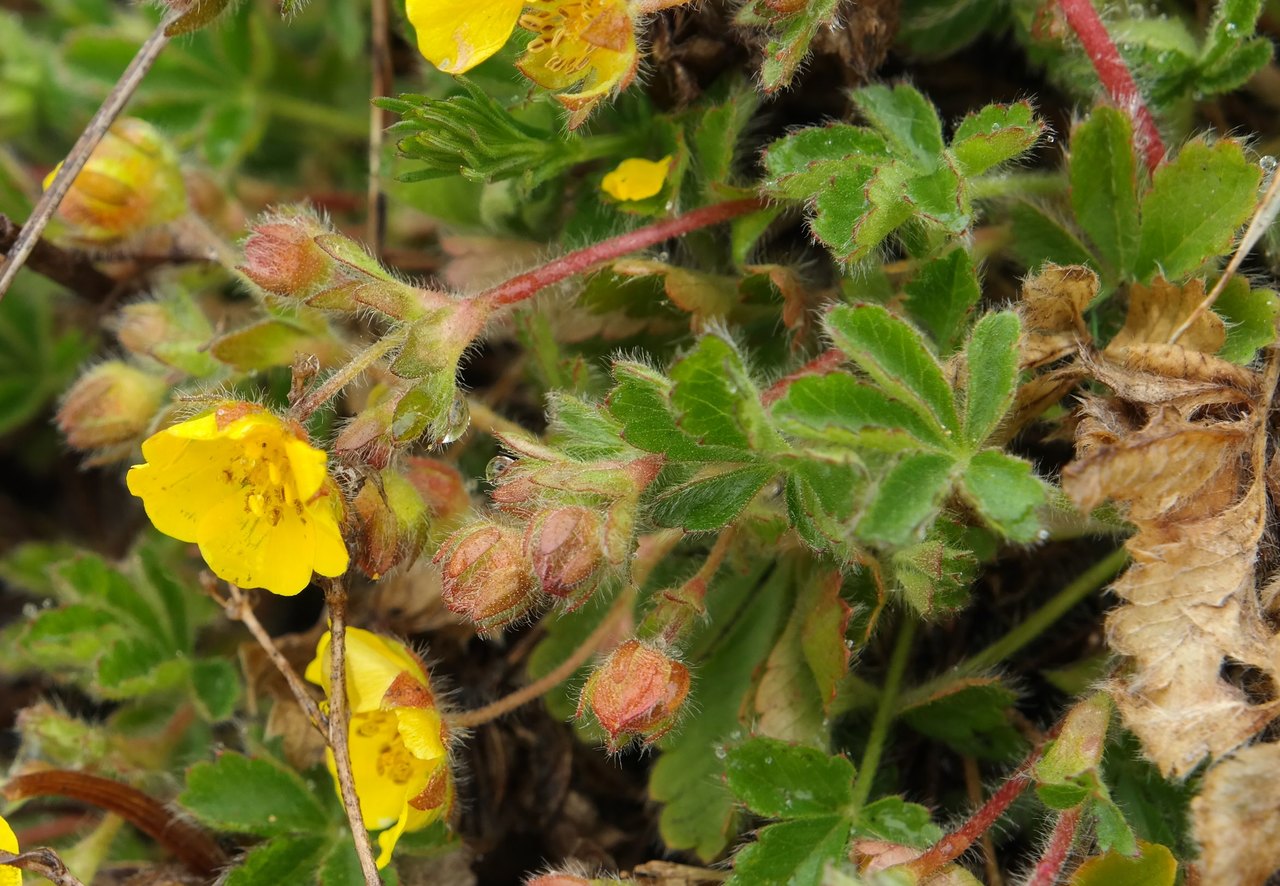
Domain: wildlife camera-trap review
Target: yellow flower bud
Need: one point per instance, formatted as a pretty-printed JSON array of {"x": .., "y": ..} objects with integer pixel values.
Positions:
[
  {"x": 637, "y": 178},
  {"x": 131, "y": 182}
]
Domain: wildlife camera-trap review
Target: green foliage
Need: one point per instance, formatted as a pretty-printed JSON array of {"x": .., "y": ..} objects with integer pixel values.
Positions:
[
  {"x": 252, "y": 795},
  {"x": 37, "y": 359},
  {"x": 790, "y": 33},
  {"x": 863, "y": 183}
]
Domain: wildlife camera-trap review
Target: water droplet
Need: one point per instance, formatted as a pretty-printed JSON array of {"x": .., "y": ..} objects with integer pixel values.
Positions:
[
  {"x": 1268, "y": 164},
  {"x": 1042, "y": 535},
  {"x": 664, "y": 256},
  {"x": 496, "y": 467},
  {"x": 30, "y": 610},
  {"x": 458, "y": 422},
  {"x": 720, "y": 752},
  {"x": 1050, "y": 138}
]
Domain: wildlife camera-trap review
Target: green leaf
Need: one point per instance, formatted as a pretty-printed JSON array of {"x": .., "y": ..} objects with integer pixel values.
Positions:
[
  {"x": 821, "y": 496},
  {"x": 1104, "y": 185},
  {"x": 1113, "y": 832},
  {"x": 136, "y": 666},
  {"x": 1039, "y": 238},
  {"x": 583, "y": 430},
  {"x": 970, "y": 715},
  {"x": 216, "y": 685},
  {"x": 1195, "y": 205},
  {"x": 710, "y": 502},
  {"x": 858, "y": 208},
  {"x": 1236, "y": 67},
  {"x": 1250, "y": 317},
  {"x": 37, "y": 358},
  {"x": 640, "y": 402},
  {"x": 1154, "y": 866},
  {"x": 995, "y": 134},
  {"x": 792, "y": 853},
  {"x": 341, "y": 866},
  {"x": 940, "y": 197},
  {"x": 790, "y": 36},
  {"x": 1006, "y": 492},
  {"x": 906, "y": 119},
  {"x": 718, "y": 132},
  {"x": 70, "y": 636},
  {"x": 1066, "y": 795},
  {"x": 824, "y": 620},
  {"x": 282, "y": 860},
  {"x": 1234, "y": 21},
  {"x": 253, "y": 796},
  {"x": 935, "y": 575},
  {"x": 744, "y": 615},
  {"x": 777, "y": 779},
  {"x": 838, "y": 409},
  {"x": 274, "y": 341},
  {"x": 941, "y": 297},
  {"x": 896, "y": 821},
  {"x": 897, "y": 359},
  {"x": 786, "y": 703},
  {"x": 933, "y": 28},
  {"x": 908, "y": 498},
  {"x": 716, "y": 401},
  {"x": 802, "y": 163},
  {"x": 991, "y": 374}
]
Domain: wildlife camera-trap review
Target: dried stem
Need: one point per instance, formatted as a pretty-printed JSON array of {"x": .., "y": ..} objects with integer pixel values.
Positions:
[
  {"x": 1263, "y": 216},
  {"x": 1115, "y": 76},
  {"x": 74, "y": 270},
  {"x": 620, "y": 607},
  {"x": 191, "y": 844},
  {"x": 1055, "y": 854},
  {"x": 334, "y": 384},
  {"x": 335, "y": 596},
  {"x": 44, "y": 863},
  {"x": 382, "y": 82},
  {"x": 51, "y": 199},
  {"x": 240, "y": 608},
  {"x": 527, "y": 285}
]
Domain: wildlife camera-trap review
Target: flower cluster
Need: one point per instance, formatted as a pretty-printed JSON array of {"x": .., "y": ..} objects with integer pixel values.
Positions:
[
  {"x": 560, "y": 528},
  {"x": 398, "y": 740},
  {"x": 251, "y": 491}
]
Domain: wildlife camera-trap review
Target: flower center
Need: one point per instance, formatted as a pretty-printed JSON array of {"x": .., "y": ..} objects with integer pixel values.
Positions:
[
  {"x": 261, "y": 472},
  {"x": 568, "y": 31},
  {"x": 394, "y": 761}
]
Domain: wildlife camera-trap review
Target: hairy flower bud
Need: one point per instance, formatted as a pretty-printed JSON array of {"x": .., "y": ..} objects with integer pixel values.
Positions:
[
  {"x": 564, "y": 546},
  {"x": 392, "y": 519},
  {"x": 282, "y": 256},
  {"x": 171, "y": 329},
  {"x": 131, "y": 182},
  {"x": 486, "y": 576},
  {"x": 112, "y": 403},
  {"x": 637, "y": 692}
]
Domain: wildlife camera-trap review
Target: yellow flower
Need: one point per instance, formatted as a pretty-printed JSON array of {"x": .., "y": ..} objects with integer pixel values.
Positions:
[
  {"x": 250, "y": 491},
  {"x": 583, "y": 45},
  {"x": 636, "y": 178},
  {"x": 9, "y": 876},
  {"x": 397, "y": 738}
]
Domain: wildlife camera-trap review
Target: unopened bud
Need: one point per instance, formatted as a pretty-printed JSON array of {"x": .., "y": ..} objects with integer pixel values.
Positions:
[
  {"x": 564, "y": 546},
  {"x": 112, "y": 403},
  {"x": 282, "y": 256},
  {"x": 392, "y": 519},
  {"x": 486, "y": 576},
  {"x": 637, "y": 692},
  {"x": 171, "y": 329},
  {"x": 131, "y": 182},
  {"x": 368, "y": 437},
  {"x": 442, "y": 487}
]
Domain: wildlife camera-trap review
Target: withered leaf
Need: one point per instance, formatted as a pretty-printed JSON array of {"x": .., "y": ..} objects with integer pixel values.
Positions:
[
  {"x": 1237, "y": 818},
  {"x": 1155, "y": 311},
  {"x": 1052, "y": 309}
]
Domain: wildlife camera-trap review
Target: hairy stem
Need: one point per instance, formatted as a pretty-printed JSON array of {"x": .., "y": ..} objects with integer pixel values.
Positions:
[
  {"x": 191, "y": 844},
  {"x": 620, "y": 607},
  {"x": 345, "y": 375},
  {"x": 885, "y": 711},
  {"x": 1055, "y": 854},
  {"x": 335, "y": 596},
  {"x": 957, "y": 843},
  {"x": 66, "y": 175},
  {"x": 1115, "y": 76},
  {"x": 239, "y": 608},
  {"x": 526, "y": 285}
]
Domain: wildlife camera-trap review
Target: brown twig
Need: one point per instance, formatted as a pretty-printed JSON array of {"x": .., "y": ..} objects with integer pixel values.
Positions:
[
  {"x": 335, "y": 595},
  {"x": 620, "y": 607},
  {"x": 191, "y": 844},
  {"x": 240, "y": 608},
  {"x": 66, "y": 175},
  {"x": 73, "y": 270},
  {"x": 383, "y": 80},
  {"x": 44, "y": 863}
]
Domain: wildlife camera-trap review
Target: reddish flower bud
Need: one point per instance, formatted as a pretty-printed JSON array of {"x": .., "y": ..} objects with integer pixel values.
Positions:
[
  {"x": 486, "y": 576},
  {"x": 392, "y": 520},
  {"x": 637, "y": 692},
  {"x": 564, "y": 546},
  {"x": 112, "y": 403},
  {"x": 442, "y": 488},
  {"x": 282, "y": 256}
]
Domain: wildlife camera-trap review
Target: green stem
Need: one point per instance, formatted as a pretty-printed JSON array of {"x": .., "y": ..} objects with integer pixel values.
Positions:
[
  {"x": 332, "y": 385},
  {"x": 1032, "y": 627},
  {"x": 302, "y": 111},
  {"x": 885, "y": 712},
  {"x": 1017, "y": 184}
]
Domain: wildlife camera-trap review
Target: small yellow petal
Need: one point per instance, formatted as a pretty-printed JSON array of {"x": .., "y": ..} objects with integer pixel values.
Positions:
[
  {"x": 373, "y": 664},
  {"x": 381, "y": 799},
  {"x": 177, "y": 495},
  {"x": 9, "y": 843},
  {"x": 457, "y": 35},
  {"x": 308, "y": 465},
  {"x": 637, "y": 178},
  {"x": 331, "y": 557},
  {"x": 247, "y": 550},
  {"x": 410, "y": 820},
  {"x": 420, "y": 729}
]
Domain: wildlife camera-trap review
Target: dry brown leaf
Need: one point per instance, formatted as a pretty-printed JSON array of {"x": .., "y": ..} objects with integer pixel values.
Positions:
[
  {"x": 1052, "y": 309},
  {"x": 1237, "y": 818},
  {"x": 1155, "y": 311}
]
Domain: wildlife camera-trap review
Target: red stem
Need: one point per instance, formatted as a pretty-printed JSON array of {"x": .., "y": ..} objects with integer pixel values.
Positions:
[
  {"x": 526, "y": 285},
  {"x": 1114, "y": 74},
  {"x": 1055, "y": 854},
  {"x": 957, "y": 843}
]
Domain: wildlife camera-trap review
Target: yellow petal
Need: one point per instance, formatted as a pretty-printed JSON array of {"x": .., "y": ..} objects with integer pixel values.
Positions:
[
  {"x": 420, "y": 729},
  {"x": 410, "y": 820},
  {"x": 331, "y": 557},
  {"x": 318, "y": 668},
  {"x": 373, "y": 664},
  {"x": 9, "y": 843},
  {"x": 457, "y": 35},
  {"x": 183, "y": 484},
  {"x": 245, "y": 549},
  {"x": 636, "y": 178},
  {"x": 382, "y": 800}
]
